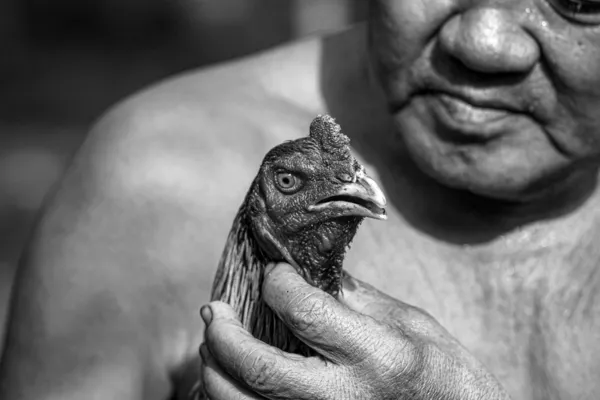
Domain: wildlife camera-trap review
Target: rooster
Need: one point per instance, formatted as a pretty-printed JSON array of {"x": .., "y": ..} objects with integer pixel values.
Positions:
[{"x": 304, "y": 207}]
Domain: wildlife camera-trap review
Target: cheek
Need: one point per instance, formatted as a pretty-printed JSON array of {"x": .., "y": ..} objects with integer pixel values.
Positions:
[
  {"x": 508, "y": 167},
  {"x": 577, "y": 82},
  {"x": 571, "y": 64},
  {"x": 575, "y": 127},
  {"x": 400, "y": 29}
]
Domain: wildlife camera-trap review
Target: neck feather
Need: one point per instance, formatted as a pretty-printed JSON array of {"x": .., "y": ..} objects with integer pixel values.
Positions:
[{"x": 239, "y": 280}]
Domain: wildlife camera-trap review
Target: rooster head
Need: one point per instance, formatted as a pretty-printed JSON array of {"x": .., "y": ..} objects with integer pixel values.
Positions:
[{"x": 307, "y": 201}]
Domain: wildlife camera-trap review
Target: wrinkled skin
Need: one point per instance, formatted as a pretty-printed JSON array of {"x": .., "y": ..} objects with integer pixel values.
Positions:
[
  {"x": 304, "y": 207},
  {"x": 107, "y": 297},
  {"x": 373, "y": 347},
  {"x": 534, "y": 59},
  {"x": 317, "y": 168},
  {"x": 497, "y": 98}
]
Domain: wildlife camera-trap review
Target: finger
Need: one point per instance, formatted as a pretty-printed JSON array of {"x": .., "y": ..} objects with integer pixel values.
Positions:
[
  {"x": 366, "y": 299},
  {"x": 218, "y": 385},
  {"x": 314, "y": 316},
  {"x": 265, "y": 369}
]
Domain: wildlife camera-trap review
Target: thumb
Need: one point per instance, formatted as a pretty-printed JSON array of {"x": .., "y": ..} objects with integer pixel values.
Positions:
[
  {"x": 313, "y": 315},
  {"x": 216, "y": 310}
]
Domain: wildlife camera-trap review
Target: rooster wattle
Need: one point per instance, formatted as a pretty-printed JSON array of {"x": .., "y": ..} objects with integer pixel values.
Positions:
[{"x": 304, "y": 208}]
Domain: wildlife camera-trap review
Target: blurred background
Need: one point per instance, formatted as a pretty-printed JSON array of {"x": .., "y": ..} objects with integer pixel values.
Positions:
[{"x": 64, "y": 62}]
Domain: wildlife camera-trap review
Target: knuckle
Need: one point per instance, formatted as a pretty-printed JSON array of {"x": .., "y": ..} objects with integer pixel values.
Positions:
[
  {"x": 401, "y": 373},
  {"x": 414, "y": 358},
  {"x": 401, "y": 358},
  {"x": 415, "y": 364},
  {"x": 306, "y": 313},
  {"x": 260, "y": 372}
]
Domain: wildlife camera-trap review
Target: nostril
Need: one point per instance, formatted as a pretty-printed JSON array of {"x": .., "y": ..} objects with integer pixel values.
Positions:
[
  {"x": 457, "y": 73},
  {"x": 345, "y": 178}
]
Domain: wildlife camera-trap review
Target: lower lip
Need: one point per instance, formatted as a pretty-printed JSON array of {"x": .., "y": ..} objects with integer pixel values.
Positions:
[{"x": 463, "y": 121}]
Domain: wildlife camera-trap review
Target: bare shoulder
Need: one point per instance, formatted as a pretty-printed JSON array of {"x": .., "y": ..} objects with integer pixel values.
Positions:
[
  {"x": 125, "y": 249},
  {"x": 200, "y": 136},
  {"x": 161, "y": 175},
  {"x": 193, "y": 142},
  {"x": 229, "y": 114}
]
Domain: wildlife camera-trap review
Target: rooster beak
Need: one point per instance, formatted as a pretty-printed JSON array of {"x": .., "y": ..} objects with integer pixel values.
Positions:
[{"x": 361, "y": 198}]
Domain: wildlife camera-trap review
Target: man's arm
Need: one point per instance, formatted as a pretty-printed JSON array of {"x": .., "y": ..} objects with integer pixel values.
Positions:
[{"x": 106, "y": 300}]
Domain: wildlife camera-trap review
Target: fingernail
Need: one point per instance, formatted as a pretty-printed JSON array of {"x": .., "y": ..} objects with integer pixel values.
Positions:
[
  {"x": 206, "y": 314},
  {"x": 270, "y": 267}
]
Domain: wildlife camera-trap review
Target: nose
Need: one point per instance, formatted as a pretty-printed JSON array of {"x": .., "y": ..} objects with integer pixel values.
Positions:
[{"x": 489, "y": 40}]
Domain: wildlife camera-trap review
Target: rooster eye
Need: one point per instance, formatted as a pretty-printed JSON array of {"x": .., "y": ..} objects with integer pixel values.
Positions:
[{"x": 287, "y": 181}]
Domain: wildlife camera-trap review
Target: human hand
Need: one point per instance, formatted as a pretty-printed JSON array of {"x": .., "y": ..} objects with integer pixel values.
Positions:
[{"x": 372, "y": 347}]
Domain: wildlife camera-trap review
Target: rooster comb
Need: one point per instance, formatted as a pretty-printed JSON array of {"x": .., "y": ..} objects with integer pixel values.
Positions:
[{"x": 328, "y": 134}]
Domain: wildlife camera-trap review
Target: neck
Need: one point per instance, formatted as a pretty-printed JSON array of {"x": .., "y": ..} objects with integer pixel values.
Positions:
[
  {"x": 459, "y": 216},
  {"x": 238, "y": 282}
]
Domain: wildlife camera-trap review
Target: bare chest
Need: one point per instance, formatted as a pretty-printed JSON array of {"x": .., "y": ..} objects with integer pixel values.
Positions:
[{"x": 533, "y": 320}]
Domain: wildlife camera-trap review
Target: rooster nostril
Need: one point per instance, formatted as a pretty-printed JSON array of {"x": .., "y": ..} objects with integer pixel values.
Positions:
[{"x": 346, "y": 178}]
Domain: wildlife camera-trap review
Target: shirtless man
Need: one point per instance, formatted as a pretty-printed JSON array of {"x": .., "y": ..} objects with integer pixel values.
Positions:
[{"x": 480, "y": 121}]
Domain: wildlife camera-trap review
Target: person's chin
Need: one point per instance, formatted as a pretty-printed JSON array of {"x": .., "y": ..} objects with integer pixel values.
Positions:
[
  {"x": 482, "y": 177},
  {"x": 497, "y": 156},
  {"x": 486, "y": 184}
]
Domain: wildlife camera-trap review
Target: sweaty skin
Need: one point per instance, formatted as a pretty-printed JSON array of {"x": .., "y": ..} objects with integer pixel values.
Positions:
[{"x": 106, "y": 301}]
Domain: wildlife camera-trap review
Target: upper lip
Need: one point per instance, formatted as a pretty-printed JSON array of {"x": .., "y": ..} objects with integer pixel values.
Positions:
[{"x": 362, "y": 198}]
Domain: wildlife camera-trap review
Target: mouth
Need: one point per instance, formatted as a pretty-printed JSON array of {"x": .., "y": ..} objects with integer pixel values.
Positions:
[
  {"x": 361, "y": 198},
  {"x": 461, "y": 120},
  {"x": 470, "y": 113}
]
